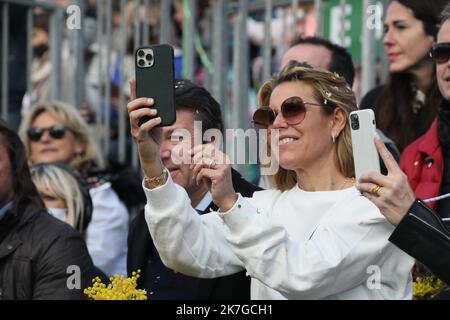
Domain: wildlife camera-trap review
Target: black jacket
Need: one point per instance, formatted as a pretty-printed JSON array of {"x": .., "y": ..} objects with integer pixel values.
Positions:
[
  {"x": 40, "y": 256},
  {"x": 162, "y": 283},
  {"x": 423, "y": 235},
  {"x": 369, "y": 101}
]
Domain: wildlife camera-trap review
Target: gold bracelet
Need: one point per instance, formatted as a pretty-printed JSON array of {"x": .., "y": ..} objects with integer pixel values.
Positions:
[{"x": 154, "y": 182}]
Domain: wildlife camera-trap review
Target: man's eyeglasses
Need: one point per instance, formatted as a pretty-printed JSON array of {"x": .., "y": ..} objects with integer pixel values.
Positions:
[
  {"x": 440, "y": 52},
  {"x": 293, "y": 110},
  {"x": 56, "y": 131}
]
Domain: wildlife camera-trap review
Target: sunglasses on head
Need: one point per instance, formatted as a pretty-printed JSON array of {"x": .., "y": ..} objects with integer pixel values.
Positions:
[
  {"x": 56, "y": 131},
  {"x": 293, "y": 110},
  {"x": 440, "y": 52}
]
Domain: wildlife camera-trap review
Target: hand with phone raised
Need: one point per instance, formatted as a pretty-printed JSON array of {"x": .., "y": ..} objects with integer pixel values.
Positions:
[
  {"x": 146, "y": 135},
  {"x": 154, "y": 71},
  {"x": 394, "y": 195}
]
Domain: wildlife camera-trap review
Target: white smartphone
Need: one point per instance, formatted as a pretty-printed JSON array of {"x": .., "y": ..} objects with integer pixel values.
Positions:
[{"x": 365, "y": 155}]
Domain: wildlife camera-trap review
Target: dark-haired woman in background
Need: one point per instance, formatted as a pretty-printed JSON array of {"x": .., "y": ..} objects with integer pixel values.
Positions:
[{"x": 407, "y": 104}]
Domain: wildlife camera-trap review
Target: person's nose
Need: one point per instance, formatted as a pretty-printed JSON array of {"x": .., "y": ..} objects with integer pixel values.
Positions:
[
  {"x": 45, "y": 136},
  {"x": 389, "y": 38},
  {"x": 279, "y": 122}
]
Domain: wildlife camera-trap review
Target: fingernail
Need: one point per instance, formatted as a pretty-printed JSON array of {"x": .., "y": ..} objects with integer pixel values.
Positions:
[
  {"x": 150, "y": 100},
  {"x": 159, "y": 119}
]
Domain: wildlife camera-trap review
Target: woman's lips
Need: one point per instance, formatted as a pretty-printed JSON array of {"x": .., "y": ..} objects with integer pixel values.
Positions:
[
  {"x": 393, "y": 56},
  {"x": 49, "y": 150}
]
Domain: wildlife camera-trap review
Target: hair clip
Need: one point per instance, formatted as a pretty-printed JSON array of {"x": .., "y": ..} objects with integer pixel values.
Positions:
[
  {"x": 328, "y": 94},
  {"x": 179, "y": 84},
  {"x": 335, "y": 75}
]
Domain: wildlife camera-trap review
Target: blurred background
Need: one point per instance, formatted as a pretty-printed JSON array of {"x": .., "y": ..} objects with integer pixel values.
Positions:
[{"x": 81, "y": 52}]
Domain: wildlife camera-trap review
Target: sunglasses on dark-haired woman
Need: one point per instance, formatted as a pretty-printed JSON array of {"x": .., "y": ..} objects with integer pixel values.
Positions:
[
  {"x": 56, "y": 131},
  {"x": 293, "y": 110},
  {"x": 440, "y": 52}
]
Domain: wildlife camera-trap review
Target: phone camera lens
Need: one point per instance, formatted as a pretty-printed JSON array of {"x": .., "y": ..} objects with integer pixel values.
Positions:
[
  {"x": 354, "y": 121},
  {"x": 141, "y": 53},
  {"x": 141, "y": 62},
  {"x": 149, "y": 57}
]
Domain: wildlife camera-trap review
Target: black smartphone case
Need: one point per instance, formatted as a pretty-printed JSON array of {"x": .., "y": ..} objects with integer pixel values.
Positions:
[{"x": 157, "y": 82}]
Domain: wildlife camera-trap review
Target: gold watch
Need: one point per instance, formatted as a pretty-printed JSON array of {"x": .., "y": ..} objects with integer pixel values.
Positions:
[{"x": 157, "y": 181}]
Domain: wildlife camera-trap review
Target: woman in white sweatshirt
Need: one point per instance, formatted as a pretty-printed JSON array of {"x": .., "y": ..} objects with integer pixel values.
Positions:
[{"x": 313, "y": 237}]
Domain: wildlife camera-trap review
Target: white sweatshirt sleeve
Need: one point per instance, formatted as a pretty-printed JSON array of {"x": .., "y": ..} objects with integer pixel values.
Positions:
[
  {"x": 187, "y": 242},
  {"x": 106, "y": 234},
  {"x": 333, "y": 260}
]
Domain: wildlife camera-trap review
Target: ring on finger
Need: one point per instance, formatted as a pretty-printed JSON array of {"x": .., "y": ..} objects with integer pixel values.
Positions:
[
  {"x": 376, "y": 190},
  {"x": 212, "y": 164}
]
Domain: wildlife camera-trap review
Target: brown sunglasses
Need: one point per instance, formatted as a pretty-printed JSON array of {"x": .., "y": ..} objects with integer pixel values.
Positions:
[{"x": 293, "y": 110}]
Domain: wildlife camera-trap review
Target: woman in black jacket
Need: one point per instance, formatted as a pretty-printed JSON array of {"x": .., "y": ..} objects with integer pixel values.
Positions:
[
  {"x": 40, "y": 257},
  {"x": 420, "y": 232}
]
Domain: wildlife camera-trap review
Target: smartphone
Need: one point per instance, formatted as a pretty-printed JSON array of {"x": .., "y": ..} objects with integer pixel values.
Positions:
[
  {"x": 154, "y": 72},
  {"x": 365, "y": 155}
]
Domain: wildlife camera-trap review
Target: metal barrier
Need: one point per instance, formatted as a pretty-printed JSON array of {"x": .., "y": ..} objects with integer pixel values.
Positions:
[{"x": 235, "y": 106}]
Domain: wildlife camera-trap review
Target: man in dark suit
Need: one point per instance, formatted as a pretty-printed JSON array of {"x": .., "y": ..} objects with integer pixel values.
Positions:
[{"x": 193, "y": 103}]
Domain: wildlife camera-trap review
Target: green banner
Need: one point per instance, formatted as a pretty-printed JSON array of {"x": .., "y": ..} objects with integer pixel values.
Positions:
[{"x": 348, "y": 30}]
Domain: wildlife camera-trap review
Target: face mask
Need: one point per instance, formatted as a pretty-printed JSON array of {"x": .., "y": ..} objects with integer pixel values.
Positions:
[
  {"x": 58, "y": 213},
  {"x": 39, "y": 50}
]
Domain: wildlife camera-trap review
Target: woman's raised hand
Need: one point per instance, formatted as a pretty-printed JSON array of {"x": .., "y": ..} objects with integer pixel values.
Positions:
[
  {"x": 212, "y": 166},
  {"x": 392, "y": 193}
]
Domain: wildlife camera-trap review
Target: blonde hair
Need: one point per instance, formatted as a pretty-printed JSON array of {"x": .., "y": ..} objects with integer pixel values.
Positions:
[
  {"x": 51, "y": 179},
  {"x": 329, "y": 89},
  {"x": 70, "y": 118}
]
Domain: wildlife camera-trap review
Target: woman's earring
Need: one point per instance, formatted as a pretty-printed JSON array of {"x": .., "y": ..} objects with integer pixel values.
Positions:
[{"x": 333, "y": 138}]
